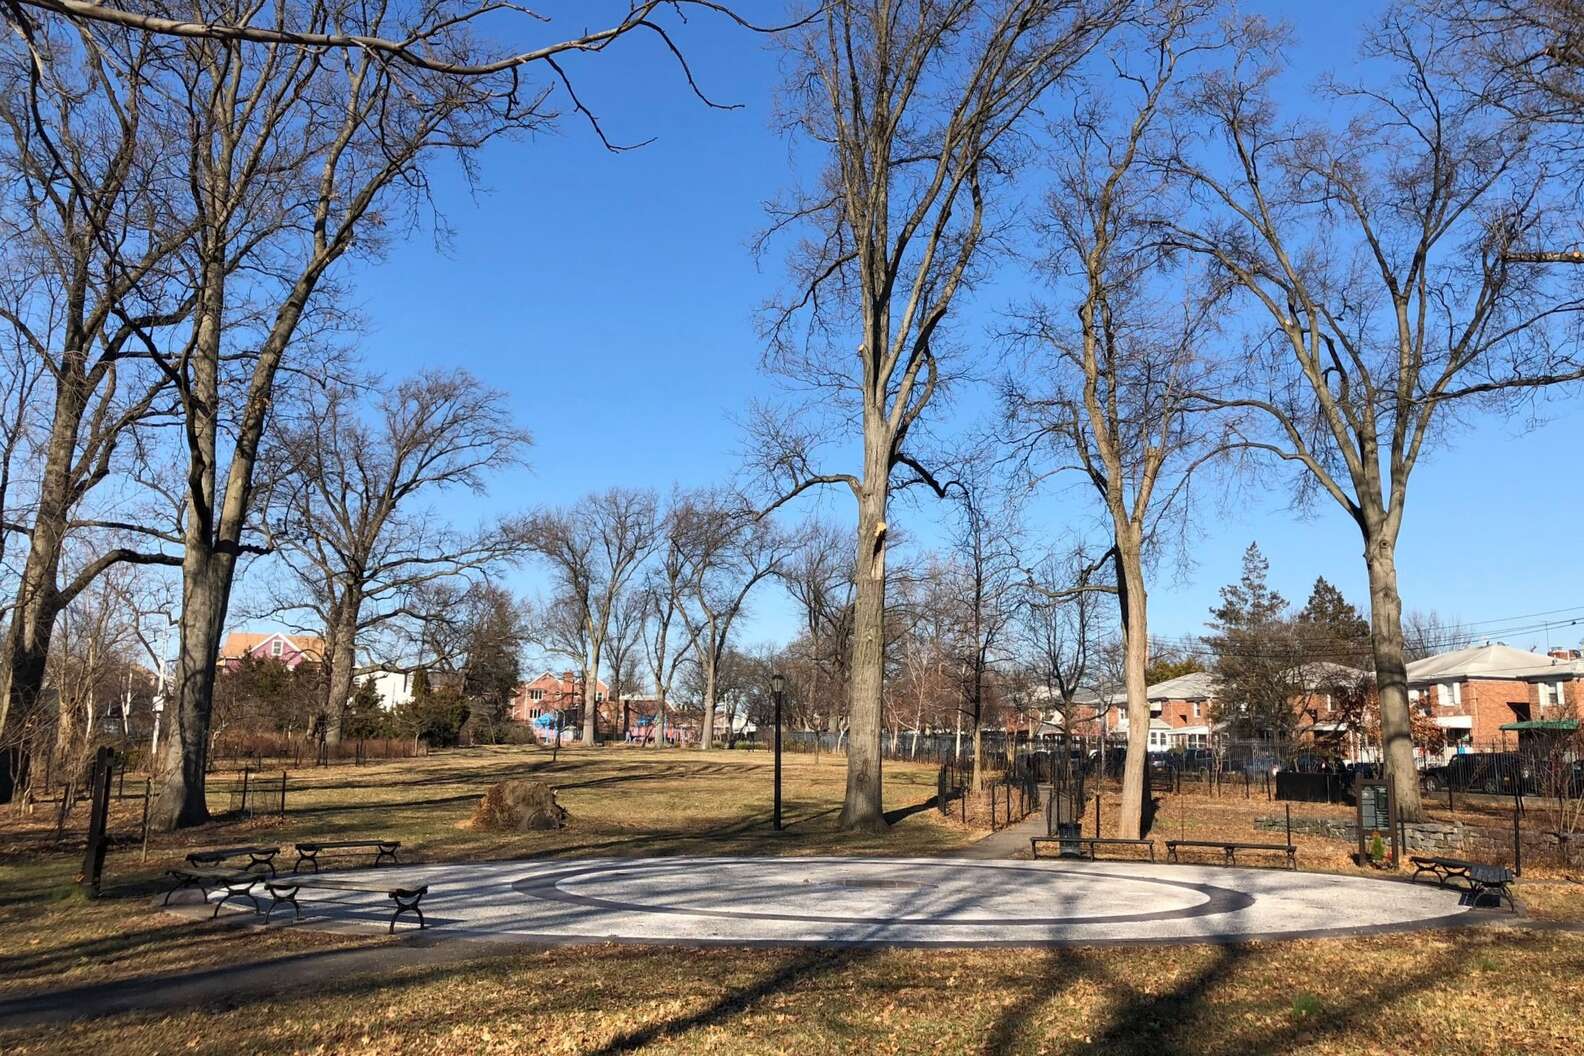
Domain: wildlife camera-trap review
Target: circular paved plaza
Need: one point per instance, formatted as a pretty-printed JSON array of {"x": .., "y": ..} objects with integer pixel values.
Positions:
[{"x": 912, "y": 901}]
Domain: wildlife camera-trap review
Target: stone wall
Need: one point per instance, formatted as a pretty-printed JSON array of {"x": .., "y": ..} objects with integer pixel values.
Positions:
[{"x": 1489, "y": 843}]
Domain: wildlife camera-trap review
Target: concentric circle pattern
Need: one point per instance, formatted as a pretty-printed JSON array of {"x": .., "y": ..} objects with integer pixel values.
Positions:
[{"x": 872, "y": 900}]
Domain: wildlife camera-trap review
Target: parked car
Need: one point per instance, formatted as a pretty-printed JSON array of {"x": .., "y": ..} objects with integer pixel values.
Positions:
[
  {"x": 1368, "y": 771},
  {"x": 1491, "y": 772},
  {"x": 1196, "y": 760}
]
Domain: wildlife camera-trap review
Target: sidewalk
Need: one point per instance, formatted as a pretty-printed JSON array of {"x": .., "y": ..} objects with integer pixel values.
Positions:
[{"x": 1012, "y": 842}]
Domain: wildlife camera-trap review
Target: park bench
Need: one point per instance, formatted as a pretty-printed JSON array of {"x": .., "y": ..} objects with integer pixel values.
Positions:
[
  {"x": 264, "y": 856},
  {"x": 1231, "y": 847},
  {"x": 236, "y": 885},
  {"x": 308, "y": 853},
  {"x": 285, "y": 892},
  {"x": 1478, "y": 879},
  {"x": 1090, "y": 842}
]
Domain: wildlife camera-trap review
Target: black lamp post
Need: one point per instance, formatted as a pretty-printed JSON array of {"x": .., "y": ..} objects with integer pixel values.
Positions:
[{"x": 777, "y": 683}]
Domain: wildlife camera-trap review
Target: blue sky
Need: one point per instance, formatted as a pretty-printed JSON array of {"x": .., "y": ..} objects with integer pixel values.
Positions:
[{"x": 614, "y": 297}]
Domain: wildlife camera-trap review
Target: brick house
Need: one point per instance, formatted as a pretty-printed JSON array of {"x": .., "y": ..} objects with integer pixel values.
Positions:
[
  {"x": 1471, "y": 693},
  {"x": 291, "y": 651},
  {"x": 549, "y": 694},
  {"x": 1180, "y": 711}
]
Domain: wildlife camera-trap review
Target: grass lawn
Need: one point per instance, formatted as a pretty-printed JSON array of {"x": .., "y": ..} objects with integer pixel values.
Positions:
[{"x": 1518, "y": 990}]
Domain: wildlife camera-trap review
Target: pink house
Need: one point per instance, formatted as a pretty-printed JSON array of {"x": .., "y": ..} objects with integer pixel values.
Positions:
[{"x": 291, "y": 651}]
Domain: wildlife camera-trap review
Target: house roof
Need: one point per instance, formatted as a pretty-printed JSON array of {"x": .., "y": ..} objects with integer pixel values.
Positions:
[
  {"x": 1199, "y": 685},
  {"x": 1490, "y": 661},
  {"x": 238, "y": 644}
]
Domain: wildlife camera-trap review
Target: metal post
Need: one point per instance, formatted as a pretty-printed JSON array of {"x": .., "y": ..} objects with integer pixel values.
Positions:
[
  {"x": 1517, "y": 847},
  {"x": 775, "y": 693},
  {"x": 148, "y": 784}
]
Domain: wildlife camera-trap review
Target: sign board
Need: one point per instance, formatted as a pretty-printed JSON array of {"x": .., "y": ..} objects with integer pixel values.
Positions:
[{"x": 1377, "y": 813}]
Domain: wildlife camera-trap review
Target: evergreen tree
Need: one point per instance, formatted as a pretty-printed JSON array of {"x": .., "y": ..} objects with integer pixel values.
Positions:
[
  {"x": 1258, "y": 658},
  {"x": 1332, "y": 628}
]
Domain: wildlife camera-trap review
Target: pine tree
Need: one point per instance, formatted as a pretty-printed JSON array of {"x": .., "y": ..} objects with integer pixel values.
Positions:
[{"x": 1257, "y": 654}]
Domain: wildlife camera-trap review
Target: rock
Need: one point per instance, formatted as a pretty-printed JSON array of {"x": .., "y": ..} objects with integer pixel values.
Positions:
[{"x": 519, "y": 806}]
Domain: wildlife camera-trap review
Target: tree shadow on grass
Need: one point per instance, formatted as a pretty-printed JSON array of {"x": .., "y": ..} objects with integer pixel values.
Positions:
[{"x": 797, "y": 968}]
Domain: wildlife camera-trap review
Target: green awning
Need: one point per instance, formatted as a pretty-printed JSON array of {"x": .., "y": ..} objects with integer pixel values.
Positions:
[{"x": 1543, "y": 726}]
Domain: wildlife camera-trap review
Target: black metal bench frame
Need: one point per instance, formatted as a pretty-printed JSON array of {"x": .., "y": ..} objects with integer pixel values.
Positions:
[
  {"x": 407, "y": 900},
  {"x": 1091, "y": 842},
  {"x": 264, "y": 856},
  {"x": 1230, "y": 848},
  {"x": 309, "y": 852},
  {"x": 1478, "y": 879},
  {"x": 236, "y": 885},
  {"x": 279, "y": 892}
]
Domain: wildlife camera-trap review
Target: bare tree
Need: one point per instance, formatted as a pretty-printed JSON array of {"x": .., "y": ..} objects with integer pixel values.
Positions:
[
  {"x": 594, "y": 549},
  {"x": 1378, "y": 256},
  {"x": 732, "y": 552},
  {"x": 915, "y": 107},
  {"x": 305, "y": 147},
  {"x": 984, "y": 574},
  {"x": 624, "y": 649},
  {"x": 664, "y": 592},
  {"x": 351, "y": 502},
  {"x": 1061, "y": 626},
  {"x": 89, "y": 232},
  {"x": 1118, "y": 385},
  {"x": 819, "y": 574}
]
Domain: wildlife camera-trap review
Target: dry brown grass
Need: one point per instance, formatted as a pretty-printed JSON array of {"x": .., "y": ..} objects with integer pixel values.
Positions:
[{"x": 1486, "y": 991}]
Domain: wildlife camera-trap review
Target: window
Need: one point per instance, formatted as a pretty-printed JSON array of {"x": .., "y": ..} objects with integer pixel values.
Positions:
[
  {"x": 277, "y": 647},
  {"x": 536, "y": 694},
  {"x": 1552, "y": 695},
  {"x": 1196, "y": 709},
  {"x": 1450, "y": 694},
  {"x": 1330, "y": 705},
  {"x": 1415, "y": 696}
]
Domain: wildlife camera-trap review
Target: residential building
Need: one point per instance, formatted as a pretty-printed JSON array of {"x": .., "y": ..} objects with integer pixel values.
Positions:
[
  {"x": 1472, "y": 693},
  {"x": 1180, "y": 710},
  {"x": 394, "y": 687},
  {"x": 551, "y": 693},
  {"x": 289, "y": 650}
]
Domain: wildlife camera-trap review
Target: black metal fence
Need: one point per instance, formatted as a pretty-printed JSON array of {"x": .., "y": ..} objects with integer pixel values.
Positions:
[{"x": 1008, "y": 796}]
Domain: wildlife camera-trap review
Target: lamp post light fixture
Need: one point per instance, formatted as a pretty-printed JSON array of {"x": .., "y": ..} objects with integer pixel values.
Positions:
[{"x": 777, "y": 684}]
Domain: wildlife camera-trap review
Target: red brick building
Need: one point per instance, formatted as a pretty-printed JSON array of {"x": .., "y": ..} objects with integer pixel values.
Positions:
[
  {"x": 549, "y": 694},
  {"x": 1471, "y": 693}
]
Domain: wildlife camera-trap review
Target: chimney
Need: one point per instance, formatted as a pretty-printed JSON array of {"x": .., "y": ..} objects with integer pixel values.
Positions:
[{"x": 1559, "y": 654}]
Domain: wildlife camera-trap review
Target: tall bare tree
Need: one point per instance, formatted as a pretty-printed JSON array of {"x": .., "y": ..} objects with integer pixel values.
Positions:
[
  {"x": 984, "y": 574},
  {"x": 1116, "y": 406},
  {"x": 1377, "y": 250},
  {"x": 915, "y": 106},
  {"x": 666, "y": 644},
  {"x": 311, "y": 126},
  {"x": 352, "y": 502},
  {"x": 594, "y": 549},
  {"x": 89, "y": 229},
  {"x": 732, "y": 552}
]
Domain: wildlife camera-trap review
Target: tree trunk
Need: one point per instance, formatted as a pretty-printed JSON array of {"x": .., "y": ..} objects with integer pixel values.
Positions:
[
  {"x": 591, "y": 702},
  {"x": 707, "y": 732},
  {"x": 342, "y": 657},
  {"x": 862, "y": 808},
  {"x": 206, "y": 595},
  {"x": 1135, "y": 655},
  {"x": 1391, "y": 675},
  {"x": 976, "y": 714},
  {"x": 38, "y": 599}
]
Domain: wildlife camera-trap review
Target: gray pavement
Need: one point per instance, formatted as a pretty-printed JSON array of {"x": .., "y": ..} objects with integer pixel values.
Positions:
[{"x": 904, "y": 901}]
